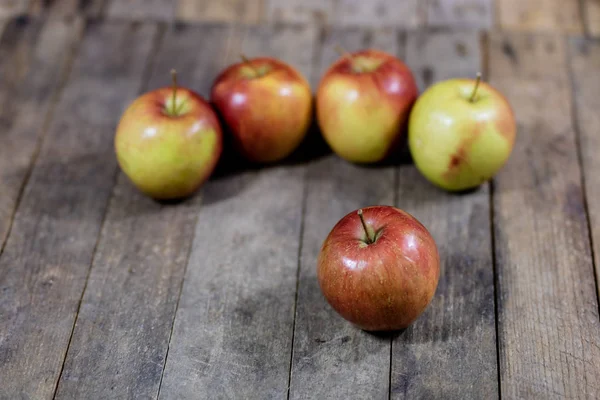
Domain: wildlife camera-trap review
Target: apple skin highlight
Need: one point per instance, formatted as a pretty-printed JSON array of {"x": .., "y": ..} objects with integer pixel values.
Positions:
[
  {"x": 458, "y": 144},
  {"x": 384, "y": 285},
  {"x": 363, "y": 104},
  {"x": 168, "y": 156},
  {"x": 266, "y": 105}
]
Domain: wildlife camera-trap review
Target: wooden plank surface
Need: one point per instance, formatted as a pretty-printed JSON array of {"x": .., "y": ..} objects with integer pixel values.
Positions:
[
  {"x": 141, "y": 10},
  {"x": 300, "y": 11},
  {"x": 333, "y": 359},
  {"x": 62, "y": 8},
  {"x": 451, "y": 348},
  {"x": 584, "y": 58},
  {"x": 591, "y": 17},
  {"x": 10, "y": 8},
  {"x": 246, "y": 11},
  {"x": 540, "y": 15},
  {"x": 461, "y": 14},
  {"x": 233, "y": 330},
  {"x": 120, "y": 341},
  {"x": 380, "y": 13},
  {"x": 45, "y": 264},
  {"x": 17, "y": 53},
  {"x": 547, "y": 303}
]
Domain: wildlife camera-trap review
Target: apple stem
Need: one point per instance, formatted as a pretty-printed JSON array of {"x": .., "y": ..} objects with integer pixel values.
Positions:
[
  {"x": 364, "y": 224},
  {"x": 249, "y": 64},
  {"x": 174, "y": 104},
  {"x": 472, "y": 98}
]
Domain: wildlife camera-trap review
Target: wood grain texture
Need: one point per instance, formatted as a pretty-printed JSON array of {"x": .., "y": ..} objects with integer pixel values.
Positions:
[
  {"x": 10, "y": 8},
  {"x": 300, "y": 11},
  {"x": 18, "y": 51},
  {"x": 120, "y": 342},
  {"x": 548, "y": 309},
  {"x": 47, "y": 257},
  {"x": 451, "y": 348},
  {"x": 67, "y": 8},
  {"x": 141, "y": 10},
  {"x": 591, "y": 17},
  {"x": 245, "y": 11},
  {"x": 380, "y": 13},
  {"x": 540, "y": 15},
  {"x": 233, "y": 330},
  {"x": 333, "y": 359},
  {"x": 584, "y": 57},
  {"x": 461, "y": 13}
]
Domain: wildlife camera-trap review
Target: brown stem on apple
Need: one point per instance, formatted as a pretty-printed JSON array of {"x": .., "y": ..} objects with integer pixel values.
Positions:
[
  {"x": 173, "y": 110},
  {"x": 247, "y": 61},
  {"x": 477, "y": 82},
  {"x": 364, "y": 224}
]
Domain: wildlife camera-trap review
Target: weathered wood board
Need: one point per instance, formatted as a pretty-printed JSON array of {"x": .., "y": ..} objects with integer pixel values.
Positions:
[
  {"x": 122, "y": 334},
  {"x": 70, "y": 8},
  {"x": 451, "y": 348},
  {"x": 141, "y": 10},
  {"x": 45, "y": 263},
  {"x": 239, "y": 11},
  {"x": 591, "y": 17},
  {"x": 584, "y": 57},
  {"x": 461, "y": 14},
  {"x": 548, "y": 309},
  {"x": 233, "y": 329},
  {"x": 540, "y": 15},
  {"x": 333, "y": 359},
  {"x": 11, "y": 8}
]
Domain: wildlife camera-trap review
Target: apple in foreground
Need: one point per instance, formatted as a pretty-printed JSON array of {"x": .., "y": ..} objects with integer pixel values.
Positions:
[
  {"x": 266, "y": 105},
  {"x": 363, "y": 105},
  {"x": 168, "y": 142},
  {"x": 379, "y": 268},
  {"x": 461, "y": 132}
]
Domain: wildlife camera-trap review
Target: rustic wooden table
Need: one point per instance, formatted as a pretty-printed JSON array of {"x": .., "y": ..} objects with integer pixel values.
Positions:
[{"x": 105, "y": 294}]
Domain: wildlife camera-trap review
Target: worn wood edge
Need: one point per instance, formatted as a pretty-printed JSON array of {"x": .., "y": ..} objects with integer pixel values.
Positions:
[
  {"x": 510, "y": 376},
  {"x": 475, "y": 40},
  {"x": 67, "y": 64},
  {"x": 569, "y": 45},
  {"x": 144, "y": 80}
]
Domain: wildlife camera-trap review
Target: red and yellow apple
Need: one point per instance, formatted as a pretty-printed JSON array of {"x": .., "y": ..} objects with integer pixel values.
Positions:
[
  {"x": 363, "y": 104},
  {"x": 379, "y": 268},
  {"x": 461, "y": 132},
  {"x": 168, "y": 142},
  {"x": 266, "y": 105}
]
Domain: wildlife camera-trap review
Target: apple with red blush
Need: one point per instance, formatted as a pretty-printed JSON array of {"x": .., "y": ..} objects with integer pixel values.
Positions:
[
  {"x": 168, "y": 142},
  {"x": 363, "y": 103},
  {"x": 266, "y": 106},
  {"x": 379, "y": 268}
]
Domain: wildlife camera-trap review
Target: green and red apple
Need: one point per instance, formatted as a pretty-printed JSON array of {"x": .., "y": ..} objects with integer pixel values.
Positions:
[
  {"x": 363, "y": 105},
  {"x": 266, "y": 105},
  {"x": 379, "y": 268},
  {"x": 461, "y": 132},
  {"x": 168, "y": 142}
]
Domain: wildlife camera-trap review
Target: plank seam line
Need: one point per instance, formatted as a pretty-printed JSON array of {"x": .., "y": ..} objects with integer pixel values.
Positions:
[
  {"x": 40, "y": 141},
  {"x": 316, "y": 60},
  {"x": 584, "y": 21},
  {"x": 98, "y": 239},
  {"x": 157, "y": 45},
  {"x": 578, "y": 151},
  {"x": 485, "y": 67}
]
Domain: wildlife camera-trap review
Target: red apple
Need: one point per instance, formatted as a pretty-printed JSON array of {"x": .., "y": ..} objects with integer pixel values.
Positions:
[
  {"x": 379, "y": 268},
  {"x": 267, "y": 106},
  {"x": 363, "y": 104},
  {"x": 168, "y": 142}
]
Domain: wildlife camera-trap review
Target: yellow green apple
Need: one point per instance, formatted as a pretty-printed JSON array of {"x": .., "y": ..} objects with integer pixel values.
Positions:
[
  {"x": 168, "y": 142},
  {"x": 363, "y": 104},
  {"x": 461, "y": 132}
]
